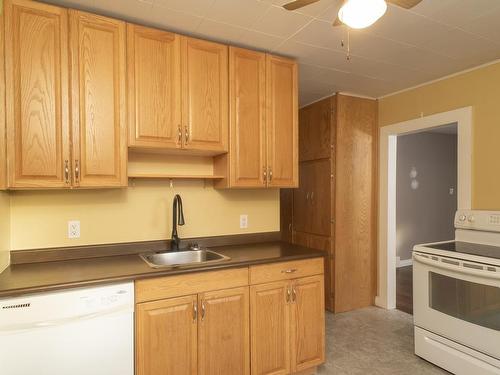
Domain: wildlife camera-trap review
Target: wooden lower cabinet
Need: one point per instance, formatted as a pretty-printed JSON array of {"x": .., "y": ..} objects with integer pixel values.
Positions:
[
  {"x": 223, "y": 332},
  {"x": 288, "y": 326},
  {"x": 308, "y": 323},
  {"x": 270, "y": 316},
  {"x": 202, "y": 334},
  {"x": 274, "y": 326},
  {"x": 166, "y": 337}
]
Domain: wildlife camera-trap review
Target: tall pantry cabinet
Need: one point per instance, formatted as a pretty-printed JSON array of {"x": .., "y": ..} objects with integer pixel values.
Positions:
[{"x": 334, "y": 208}]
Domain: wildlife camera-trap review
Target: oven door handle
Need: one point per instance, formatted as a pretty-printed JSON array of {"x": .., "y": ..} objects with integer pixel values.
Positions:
[{"x": 456, "y": 268}]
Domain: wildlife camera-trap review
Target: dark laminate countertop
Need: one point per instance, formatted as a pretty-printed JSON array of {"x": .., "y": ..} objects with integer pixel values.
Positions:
[{"x": 20, "y": 279}]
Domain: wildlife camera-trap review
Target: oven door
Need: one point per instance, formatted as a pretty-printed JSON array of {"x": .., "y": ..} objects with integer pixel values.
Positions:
[{"x": 459, "y": 300}]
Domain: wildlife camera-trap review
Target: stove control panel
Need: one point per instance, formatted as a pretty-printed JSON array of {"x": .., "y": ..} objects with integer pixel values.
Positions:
[{"x": 488, "y": 221}]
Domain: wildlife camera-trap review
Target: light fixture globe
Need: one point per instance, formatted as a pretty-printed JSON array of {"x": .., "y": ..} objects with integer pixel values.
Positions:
[{"x": 359, "y": 14}]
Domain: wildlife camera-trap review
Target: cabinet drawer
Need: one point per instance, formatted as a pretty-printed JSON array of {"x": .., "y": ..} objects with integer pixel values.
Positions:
[
  {"x": 285, "y": 270},
  {"x": 193, "y": 283}
]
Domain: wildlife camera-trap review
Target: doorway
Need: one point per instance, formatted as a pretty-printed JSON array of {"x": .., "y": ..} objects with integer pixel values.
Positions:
[
  {"x": 387, "y": 241},
  {"x": 426, "y": 198}
]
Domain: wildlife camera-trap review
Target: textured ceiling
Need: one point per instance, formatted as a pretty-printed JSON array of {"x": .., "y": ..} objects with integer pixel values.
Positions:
[{"x": 403, "y": 49}]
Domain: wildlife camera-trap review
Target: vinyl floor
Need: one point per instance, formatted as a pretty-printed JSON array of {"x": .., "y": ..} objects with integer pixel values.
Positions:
[{"x": 372, "y": 341}]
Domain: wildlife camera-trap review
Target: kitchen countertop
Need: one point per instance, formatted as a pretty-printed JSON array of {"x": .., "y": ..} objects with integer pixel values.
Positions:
[{"x": 20, "y": 279}]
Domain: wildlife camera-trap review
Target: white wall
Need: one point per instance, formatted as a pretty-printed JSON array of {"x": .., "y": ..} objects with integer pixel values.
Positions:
[{"x": 425, "y": 211}]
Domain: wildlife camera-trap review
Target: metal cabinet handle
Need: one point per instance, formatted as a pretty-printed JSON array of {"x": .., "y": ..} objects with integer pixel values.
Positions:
[
  {"x": 66, "y": 171},
  {"x": 186, "y": 135},
  {"x": 264, "y": 172},
  {"x": 294, "y": 295},
  {"x": 290, "y": 227},
  {"x": 307, "y": 196},
  {"x": 270, "y": 174},
  {"x": 77, "y": 170},
  {"x": 290, "y": 270},
  {"x": 203, "y": 311},
  {"x": 312, "y": 195},
  {"x": 195, "y": 311},
  {"x": 179, "y": 134},
  {"x": 288, "y": 295}
]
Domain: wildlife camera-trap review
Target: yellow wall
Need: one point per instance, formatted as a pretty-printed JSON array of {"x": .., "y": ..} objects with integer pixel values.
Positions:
[
  {"x": 141, "y": 212},
  {"x": 4, "y": 230},
  {"x": 481, "y": 90}
]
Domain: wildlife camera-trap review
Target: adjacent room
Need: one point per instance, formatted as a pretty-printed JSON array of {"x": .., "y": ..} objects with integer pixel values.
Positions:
[
  {"x": 426, "y": 198},
  {"x": 249, "y": 187}
]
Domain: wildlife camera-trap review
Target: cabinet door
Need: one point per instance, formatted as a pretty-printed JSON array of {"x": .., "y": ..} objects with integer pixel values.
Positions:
[
  {"x": 270, "y": 316},
  {"x": 97, "y": 48},
  {"x": 314, "y": 130},
  {"x": 223, "y": 332},
  {"x": 166, "y": 337},
  {"x": 301, "y": 202},
  {"x": 308, "y": 323},
  {"x": 282, "y": 122},
  {"x": 154, "y": 87},
  {"x": 247, "y": 96},
  {"x": 204, "y": 95},
  {"x": 36, "y": 94}
]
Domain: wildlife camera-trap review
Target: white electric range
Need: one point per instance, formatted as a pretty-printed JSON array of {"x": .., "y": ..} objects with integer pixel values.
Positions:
[{"x": 456, "y": 297}]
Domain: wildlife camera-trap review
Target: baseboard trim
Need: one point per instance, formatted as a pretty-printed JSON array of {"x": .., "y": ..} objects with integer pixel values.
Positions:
[{"x": 403, "y": 263}]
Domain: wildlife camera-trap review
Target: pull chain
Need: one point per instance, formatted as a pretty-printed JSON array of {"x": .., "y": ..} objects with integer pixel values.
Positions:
[{"x": 348, "y": 45}]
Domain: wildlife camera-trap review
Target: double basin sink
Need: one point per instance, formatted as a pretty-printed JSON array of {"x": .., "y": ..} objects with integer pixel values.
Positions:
[{"x": 184, "y": 258}]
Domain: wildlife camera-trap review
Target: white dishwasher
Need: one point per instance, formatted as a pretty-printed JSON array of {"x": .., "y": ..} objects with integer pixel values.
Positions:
[{"x": 84, "y": 331}]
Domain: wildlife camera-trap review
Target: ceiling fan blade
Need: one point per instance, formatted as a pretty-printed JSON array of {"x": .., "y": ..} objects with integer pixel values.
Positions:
[
  {"x": 337, "y": 22},
  {"x": 298, "y": 4},
  {"x": 407, "y": 4}
]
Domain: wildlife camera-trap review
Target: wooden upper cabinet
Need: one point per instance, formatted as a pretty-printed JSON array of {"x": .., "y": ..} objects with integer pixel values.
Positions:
[
  {"x": 36, "y": 64},
  {"x": 154, "y": 87},
  {"x": 223, "y": 332},
  {"x": 308, "y": 323},
  {"x": 282, "y": 122},
  {"x": 315, "y": 127},
  {"x": 204, "y": 95},
  {"x": 270, "y": 336},
  {"x": 97, "y": 49},
  {"x": 247, "y": 100},
  {"x": 166, "y": 337}
]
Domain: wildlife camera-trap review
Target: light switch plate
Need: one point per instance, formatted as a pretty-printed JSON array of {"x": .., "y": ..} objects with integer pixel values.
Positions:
[
  {"x": 74, "y": 229},
  {"x": 243, "y": 221}
]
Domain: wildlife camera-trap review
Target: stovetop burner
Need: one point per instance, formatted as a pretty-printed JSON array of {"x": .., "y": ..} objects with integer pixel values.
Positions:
[{"x": 487, "y": 251}]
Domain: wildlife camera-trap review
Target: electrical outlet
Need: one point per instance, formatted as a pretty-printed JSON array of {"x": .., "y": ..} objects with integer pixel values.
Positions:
[
  {"x": 74, "y": 229},
  {"x": 243, "y": 221}
]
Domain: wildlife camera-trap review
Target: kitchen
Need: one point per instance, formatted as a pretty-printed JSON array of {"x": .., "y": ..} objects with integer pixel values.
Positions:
[{"x": 110, "y": 115}]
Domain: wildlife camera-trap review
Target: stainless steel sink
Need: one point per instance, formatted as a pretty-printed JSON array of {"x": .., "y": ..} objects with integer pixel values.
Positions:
[{"x": 173, "y": 259}]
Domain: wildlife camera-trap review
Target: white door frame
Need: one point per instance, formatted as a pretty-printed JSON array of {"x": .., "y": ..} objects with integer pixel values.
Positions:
[{"x": 386, "y": 294}]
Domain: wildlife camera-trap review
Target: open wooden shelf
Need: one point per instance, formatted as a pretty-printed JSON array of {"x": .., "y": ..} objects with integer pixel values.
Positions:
[{"x": 174, "y": 176}]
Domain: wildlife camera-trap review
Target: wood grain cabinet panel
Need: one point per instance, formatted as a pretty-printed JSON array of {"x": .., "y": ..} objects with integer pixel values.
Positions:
[
  {"x": 270, "y": 335},
  {"x": 245, "y": 163},
  {"x": 224, "y": 332},
  {"x": 308, "y": 323},
  {"x": 282, "y": 122},
  {"x": 314, "y": 131},
  {"x": 97, "y": 49},
  {"x": 3, "y": 145},
  {"x": 166, "y": 337},
  {"x": 154, "y": 87},
  {"x": 204, "y": 95},
  {"x": 36, "y": 94}
]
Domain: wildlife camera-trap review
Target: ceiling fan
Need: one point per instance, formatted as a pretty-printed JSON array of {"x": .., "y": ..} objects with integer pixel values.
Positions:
[{"x": 357, "y": 14}]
